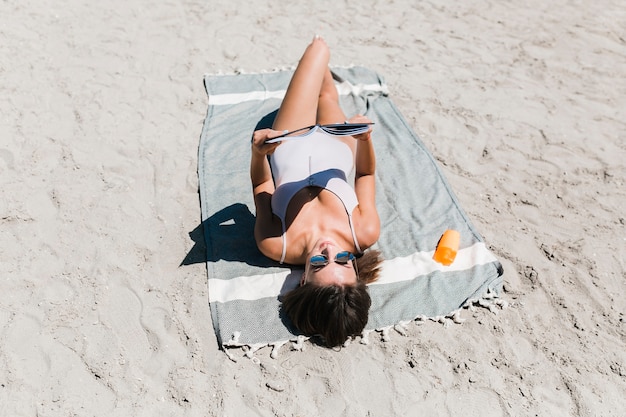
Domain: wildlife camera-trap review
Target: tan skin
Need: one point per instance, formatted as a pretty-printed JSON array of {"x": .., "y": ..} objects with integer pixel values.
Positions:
[{"x": 316, "y": 219}]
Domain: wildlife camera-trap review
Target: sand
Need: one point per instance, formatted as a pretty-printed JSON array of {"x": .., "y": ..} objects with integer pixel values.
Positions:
[{"x": 102, "y": 104}]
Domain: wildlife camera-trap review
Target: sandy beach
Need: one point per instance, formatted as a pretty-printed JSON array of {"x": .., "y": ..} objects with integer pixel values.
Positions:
[{"x": 104, "y": 311}]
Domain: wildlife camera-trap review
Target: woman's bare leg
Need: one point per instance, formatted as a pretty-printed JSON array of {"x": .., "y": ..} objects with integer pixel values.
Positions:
[
  {"x": 300, "y": 105},
  {"x": 328, "y": 109}
]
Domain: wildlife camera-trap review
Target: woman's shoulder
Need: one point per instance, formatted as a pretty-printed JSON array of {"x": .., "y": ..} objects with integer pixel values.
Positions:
[
  {"x": 367, "y": 227},
  {"x": 272, "y": 247}
]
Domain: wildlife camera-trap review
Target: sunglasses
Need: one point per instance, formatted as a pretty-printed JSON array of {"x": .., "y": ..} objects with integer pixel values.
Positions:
[
  {"x": 336, "y": 129},
  {"x": 341, "y": 258}
]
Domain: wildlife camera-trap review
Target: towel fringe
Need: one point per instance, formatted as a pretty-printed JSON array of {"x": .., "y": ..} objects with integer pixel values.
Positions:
[
  {"x": 348, "y": 342},
  {"x": 365, "y": 337},
  {"x": 251, "y": 349},
  {"x": 299, "y": 343},
  {"x": 456, "y": 317},
  {"x": 276, "y": 347},
  {"x": 385, "y": 334},
  {"x": 234, "y": 340},
  {"x": 402, "y": 328},
  {"x": 490, "y": 300},
  {"x": 230, "y": 355}
]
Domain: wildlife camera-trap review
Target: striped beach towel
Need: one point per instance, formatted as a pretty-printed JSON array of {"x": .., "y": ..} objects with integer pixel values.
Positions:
[{"x": 414, "y": 200}]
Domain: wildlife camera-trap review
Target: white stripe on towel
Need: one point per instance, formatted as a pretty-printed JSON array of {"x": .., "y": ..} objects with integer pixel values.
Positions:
[
  {"x": 422, "y": 263},
  {"x": 256, "y": 287},
  {"x": 229, "y": 99},
  {"x": 344, "y": 88}
]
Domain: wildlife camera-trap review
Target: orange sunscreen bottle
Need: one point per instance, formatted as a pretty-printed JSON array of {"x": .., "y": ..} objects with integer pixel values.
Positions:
[{"x": 447, "y": 247}]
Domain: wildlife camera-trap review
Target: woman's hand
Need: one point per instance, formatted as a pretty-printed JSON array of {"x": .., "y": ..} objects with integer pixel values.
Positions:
[
  {"x": 361, "y": 119},
  {"x": 258, "y": 141}
]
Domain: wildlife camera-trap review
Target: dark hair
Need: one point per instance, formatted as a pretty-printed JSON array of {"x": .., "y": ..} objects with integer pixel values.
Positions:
[{"x": 334, "y": 312}]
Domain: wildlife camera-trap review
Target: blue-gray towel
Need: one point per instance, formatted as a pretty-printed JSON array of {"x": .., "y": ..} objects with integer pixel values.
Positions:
[{"x": 414, "y": 200}]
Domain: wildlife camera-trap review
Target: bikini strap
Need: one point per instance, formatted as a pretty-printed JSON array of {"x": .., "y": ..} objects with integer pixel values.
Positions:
[
  {"x": 356, "y": 242},
  {"x": 282, "y": 257}
]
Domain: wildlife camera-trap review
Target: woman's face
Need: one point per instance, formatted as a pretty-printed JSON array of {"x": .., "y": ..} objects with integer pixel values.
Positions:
[{"x": 332, "y": 273}]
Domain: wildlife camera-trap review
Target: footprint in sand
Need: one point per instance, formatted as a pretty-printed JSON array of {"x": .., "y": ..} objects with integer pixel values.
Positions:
[{"x": 122, "y": 311}]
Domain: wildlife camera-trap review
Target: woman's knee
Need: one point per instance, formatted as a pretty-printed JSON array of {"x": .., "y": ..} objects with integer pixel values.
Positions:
[
  {"x": 319, "y": 48},
  {"x": 329, "y": 95}
]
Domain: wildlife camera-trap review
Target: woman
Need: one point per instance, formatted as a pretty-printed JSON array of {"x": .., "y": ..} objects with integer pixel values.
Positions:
[{"x": 306, "y": 212}]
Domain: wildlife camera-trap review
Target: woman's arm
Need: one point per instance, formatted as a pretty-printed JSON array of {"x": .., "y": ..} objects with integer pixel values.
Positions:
[
  {"x": 260, "y": 172},
  {"x": 365, "y": 189},
  {"x": 262, "y": 189}
]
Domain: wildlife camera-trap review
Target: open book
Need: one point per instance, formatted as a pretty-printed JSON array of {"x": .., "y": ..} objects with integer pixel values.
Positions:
[{"x": 336, "y": 129}]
